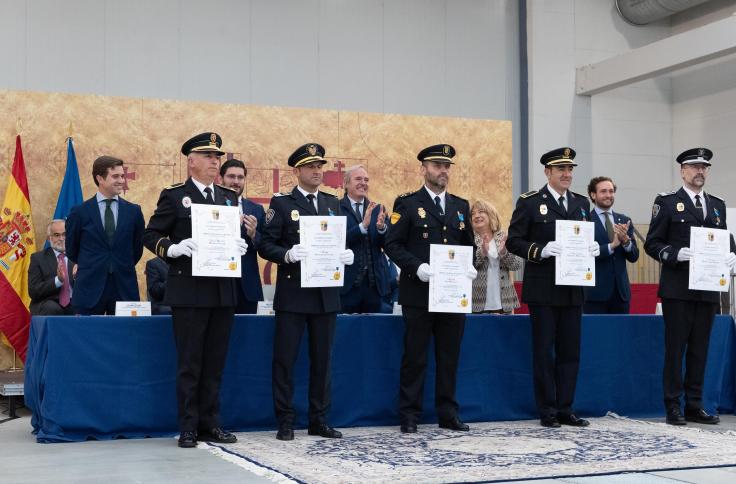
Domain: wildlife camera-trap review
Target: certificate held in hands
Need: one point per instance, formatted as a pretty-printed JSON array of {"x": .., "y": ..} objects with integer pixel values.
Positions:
[
  {"x": 214, "y": 230},
  {"x": 575, "y": 266},
  {"x": 450, "y": 289},
  {"x": 324, "y": 237},
  {"x": 708, "y": 268}
]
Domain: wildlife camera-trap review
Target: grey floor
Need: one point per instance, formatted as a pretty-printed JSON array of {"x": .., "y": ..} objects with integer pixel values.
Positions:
[{"x": 22, "y": 460}]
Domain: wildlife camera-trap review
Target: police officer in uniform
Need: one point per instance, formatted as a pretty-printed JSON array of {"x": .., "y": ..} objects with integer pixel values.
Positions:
[
  {"x": 688, "y": 314},
  {"x": 555, "y": 311},
  {"x": 428, "y": 216},
  {"x": 297, "y": 307},
  {"x": 202, "y": 307}
]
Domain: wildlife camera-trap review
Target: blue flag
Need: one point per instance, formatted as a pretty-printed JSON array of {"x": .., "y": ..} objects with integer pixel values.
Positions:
[{"x": 71, "y": 189}]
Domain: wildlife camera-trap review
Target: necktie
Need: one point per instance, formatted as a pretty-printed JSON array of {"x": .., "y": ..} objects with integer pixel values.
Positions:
[
  {"x": 609, "y": 226},
  {"x": 310, "y": 199},
  {"x": 357, "y": 210},
  {"x": 562, "y": 204},
  {"x": 109, "y": 219},
  {"x": 208, "y": 195},
  {"x": 699, "y": 204},
  {"x": 65, "y": 295},
  {"x": 439, "y": 205}
]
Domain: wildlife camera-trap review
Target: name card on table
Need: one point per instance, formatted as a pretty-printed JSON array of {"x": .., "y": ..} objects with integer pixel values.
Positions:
[
  {"x": 133, "y": 308},
  {"x": 265, "y": 308}
]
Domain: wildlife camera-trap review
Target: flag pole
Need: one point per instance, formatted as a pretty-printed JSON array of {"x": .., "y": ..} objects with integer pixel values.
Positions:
[{"x": 14, "y": 368}]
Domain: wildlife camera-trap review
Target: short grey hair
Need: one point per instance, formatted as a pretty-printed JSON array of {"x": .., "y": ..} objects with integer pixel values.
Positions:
[
  {"x": 349, "y": 173},
  {"x": 53, "y": 221}
]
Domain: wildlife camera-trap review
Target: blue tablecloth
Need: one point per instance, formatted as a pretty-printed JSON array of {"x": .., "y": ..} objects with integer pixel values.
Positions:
[{"x": 107, "y": 377}]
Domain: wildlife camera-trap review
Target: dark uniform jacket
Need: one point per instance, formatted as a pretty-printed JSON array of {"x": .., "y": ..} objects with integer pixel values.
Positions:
[
  {"x": 420, "y": 224},
  {"x": 170, "y": 224},
  {"x": 532, "y": 227},
  {"x": 672, "y": 216},
  {"x": 278, "y": 235}
]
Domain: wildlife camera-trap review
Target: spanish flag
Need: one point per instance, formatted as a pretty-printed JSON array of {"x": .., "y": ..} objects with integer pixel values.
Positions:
[{"x": 16, "y": 246}]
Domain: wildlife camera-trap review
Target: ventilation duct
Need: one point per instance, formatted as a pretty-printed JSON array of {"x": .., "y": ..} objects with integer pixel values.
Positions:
[{"x": 643, "y": 12}]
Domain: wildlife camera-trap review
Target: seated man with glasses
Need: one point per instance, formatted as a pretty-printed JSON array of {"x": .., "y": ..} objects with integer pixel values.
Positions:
[{"x": 51, "y": 275}]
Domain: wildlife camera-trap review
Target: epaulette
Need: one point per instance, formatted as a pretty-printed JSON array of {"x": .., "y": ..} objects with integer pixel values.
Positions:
[
  {"x": 459, "y": 198},
  {"x": 577, "y": 194},
  {"x": 405, "y": 194},
  {"x": 529, "y": 194},
  {"x": 666, "y": 194},
  {"x": 226, "y": 188},
  {"x": 328, "y": 194},
  {"x": 175, "y": 185},
  {"x": 279, "y": 194},
  {"x": 717, "y": 198}
]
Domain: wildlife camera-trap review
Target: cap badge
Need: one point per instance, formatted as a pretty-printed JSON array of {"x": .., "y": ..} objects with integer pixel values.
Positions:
[
  {"x": 566, "y": 152},
  {"x": 701, "y": 152},
  {"x": 312, "y": 150},
  {"x": 213, "y": 139},
  {"x": 446, "y": 150}
]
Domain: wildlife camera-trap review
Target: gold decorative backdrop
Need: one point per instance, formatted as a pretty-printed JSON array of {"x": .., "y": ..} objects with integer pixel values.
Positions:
[{"x": 148, "y": 133}]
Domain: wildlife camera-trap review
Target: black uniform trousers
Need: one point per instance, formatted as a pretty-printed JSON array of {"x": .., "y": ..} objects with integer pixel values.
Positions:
[
  {"x": 199, "y": 372},
  {"x": 614, "y": 305},
  {"x": 448, "y": 329},
  {"x": 287, "y": 338},
  {"x": 687, "y": 326},
  {"x": 556, "y": 357}
]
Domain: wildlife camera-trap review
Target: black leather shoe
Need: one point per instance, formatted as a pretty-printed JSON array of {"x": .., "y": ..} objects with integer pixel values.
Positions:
[
  {"x": 187, "y": 440},
  {"x": 454, "y": 424},
  {"x": 674, "y": 417},
  {"x": 701, "y": 416},
  {"x": 572, "y": 420},
  {"x": 549, "y": 421},
  {"x": 217, "y": 435},
  {"x": 286, "y": 432},
  {"x": 409, "y": 428},
  {"x": 324, "y": 430}
]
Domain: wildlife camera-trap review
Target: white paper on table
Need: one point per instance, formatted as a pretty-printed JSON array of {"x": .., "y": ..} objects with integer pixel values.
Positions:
[
  {"x": 214, "y": 230},
  {"x": 132, "y": 308},
  {"x": 450, "y": 289},
  {"x": 324, "y": 237},
  {"x": 575, "y": 266},
  {"x": 708, "y": 268}
]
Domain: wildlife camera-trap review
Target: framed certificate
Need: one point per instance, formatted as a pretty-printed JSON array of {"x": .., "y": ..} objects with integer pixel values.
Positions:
[
  {"x": 575, "y": 266},
  {"x": 324, "y": 237},
  {"x": 450, "y": 289},
  {"x": 214, "y": 230},
  {"x": 708, "y": 268}
]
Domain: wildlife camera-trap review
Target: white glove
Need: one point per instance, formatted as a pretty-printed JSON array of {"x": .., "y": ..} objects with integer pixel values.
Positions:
[
  {"x": 297, "y": 253},
  {"x": 241, "y": 245},
  {"x": 684, "y": 254},
  {"x": 731, "y": 260},
  {"x": 552, "y": 249},
  {"x": 595, "y": 249},
  {"x": 471, "y": 273},
  {"x": 185, "y": 247},
  {"x": 424, "y": 272},
  {"x": 346, "y": 257}
]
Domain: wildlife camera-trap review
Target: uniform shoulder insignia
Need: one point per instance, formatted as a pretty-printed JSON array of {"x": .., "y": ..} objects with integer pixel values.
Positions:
[
  {"x": 175, "y": 185},
  {"x": 577, "y": 194},
  {"x": 458, "y": 198},
  {"x": 404, "y": 195},
  {"x": 226, "y": 188},
  {"x": 328, "y": 194},
  {"x": 666, "y": 194},
  {"x": 529, "y": 194},
  {"x": 716, "y": 197},
  {"x": 279, "y": 194}
]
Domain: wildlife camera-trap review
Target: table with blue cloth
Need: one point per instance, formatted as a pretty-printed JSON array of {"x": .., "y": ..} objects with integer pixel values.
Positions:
[{"x": 108, "y": 377}]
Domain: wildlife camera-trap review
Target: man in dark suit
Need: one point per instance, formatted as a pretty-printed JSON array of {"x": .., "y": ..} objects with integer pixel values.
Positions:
[
  {"x": 688, "y": 313},
  {"x": 615, "y": 235},
  {"x": 157, "y": 272},
  {"x": 555, "y": 311},
  {"x": 366, "y": 280},
  {"x": 104, "y": 238},
  {"x": 298, "y": 307},
  {"x": 51, "y": 275},
  {"x": 202, "y": 308},
  {"x": 428, "y": 216},
  {"x": 234, "y": 173}
]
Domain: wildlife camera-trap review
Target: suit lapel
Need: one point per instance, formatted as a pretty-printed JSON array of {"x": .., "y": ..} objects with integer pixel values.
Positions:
[
  {"x": 191, "y": 189},
  {"x": 302, "y": 201},
  {"x": 94, "y": 212},
  {"x": 689, "y": 205},
  {"x": 429, "y": 206},
  {"x": 347, "y": 207},
  {"x": 122, "y": 215},
  {"x": 323, "y": 204},
  {"x": 554, "y": 205}
]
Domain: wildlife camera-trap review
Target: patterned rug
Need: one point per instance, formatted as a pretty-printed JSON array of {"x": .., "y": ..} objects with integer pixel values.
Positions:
[{"x": 491, "y": 451}]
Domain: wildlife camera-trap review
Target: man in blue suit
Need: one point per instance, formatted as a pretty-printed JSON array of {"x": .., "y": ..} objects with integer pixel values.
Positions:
[
  {"x": 615, "y": 235},
  {"x": 233, "y": 173},
  {"x": 104, "y": 237},
  {"x": 367, "y": 280}
]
